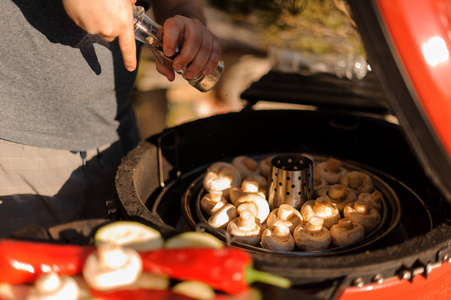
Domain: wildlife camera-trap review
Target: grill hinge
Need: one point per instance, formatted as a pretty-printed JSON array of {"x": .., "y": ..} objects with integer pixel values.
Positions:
[{"x": 443, "y": 255}]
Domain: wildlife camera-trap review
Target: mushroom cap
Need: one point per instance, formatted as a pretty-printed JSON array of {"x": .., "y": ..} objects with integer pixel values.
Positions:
[
  {"x": 51, "y": 286},
  {"x": 311, "y": 241},
  {"x": 327, "y": 211},
  {"x": 331, "y": 170},
  {"x": 358, "y": 181},
  {"x": 318, "y": 183},
  {"x": 323, "y": 208},
  {"x": 286, "y": 214},
  {"x": 307, "y": 210},
  {"x": 338, "y": 194},
  {"x": 221, "y": 176},
  {"x": 262, "y": 181},
  {"x": 112, "y": 267},
  {"x": 374, "y": 198},
  {"x": 247, "y": 187},
  {"x": 278, "y": 238},
  {"x": 346, "y": 232},
  {"x": 262, "y": 205},
  {"x": 362, "y": 213},
  {"x": 245, "y": 165},
  {"x": 223, "y": 216},
  {"x": 212, "y": 202},
  {"x": 264, "y": 166},
  {"x": 246, "y": 229}
]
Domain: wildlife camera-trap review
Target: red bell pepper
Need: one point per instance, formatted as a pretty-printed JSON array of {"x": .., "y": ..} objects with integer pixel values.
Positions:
[
  {"x": 226, "y": 269},
  {"x": 23, "y": 261},
  {"x": 138, "y": 294}
]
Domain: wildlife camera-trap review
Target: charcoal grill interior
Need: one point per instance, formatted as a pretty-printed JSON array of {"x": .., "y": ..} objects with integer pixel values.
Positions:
[{"x": 152, "y": 179}]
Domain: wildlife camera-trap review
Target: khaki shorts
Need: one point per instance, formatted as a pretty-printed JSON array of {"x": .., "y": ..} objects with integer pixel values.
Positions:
[{"x": 46, "y": 187}]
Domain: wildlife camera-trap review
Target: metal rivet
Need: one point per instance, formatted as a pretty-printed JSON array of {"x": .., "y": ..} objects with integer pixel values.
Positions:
[
  {"x": 379, "y": 279},
  {"x": 358, "y": 282}
]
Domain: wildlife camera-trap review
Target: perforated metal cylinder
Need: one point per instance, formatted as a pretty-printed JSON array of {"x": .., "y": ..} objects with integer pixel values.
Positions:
[{"x": 291, "y": 180}]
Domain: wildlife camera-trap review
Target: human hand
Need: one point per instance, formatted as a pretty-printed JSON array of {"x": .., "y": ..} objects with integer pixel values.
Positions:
[
  {"x": 200, "y": 51},
  {"x": 110, "y": 19}
]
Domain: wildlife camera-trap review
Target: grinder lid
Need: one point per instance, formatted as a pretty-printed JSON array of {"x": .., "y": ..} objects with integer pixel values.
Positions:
[{"x": 408, "y": 44}]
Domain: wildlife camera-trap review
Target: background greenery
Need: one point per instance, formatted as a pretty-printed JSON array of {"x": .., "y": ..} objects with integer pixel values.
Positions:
[{"x": 319, "y": 26}]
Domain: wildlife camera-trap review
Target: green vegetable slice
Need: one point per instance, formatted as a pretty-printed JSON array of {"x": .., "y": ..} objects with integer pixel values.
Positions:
[
  {"x": 193, "y": 239},
  {"x": 130, "y": 234},
  {"x": 194, "y": 289}
]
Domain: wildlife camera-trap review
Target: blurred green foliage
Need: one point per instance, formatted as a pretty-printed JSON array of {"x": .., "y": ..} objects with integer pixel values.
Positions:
[{"x": 319, "y": 26}]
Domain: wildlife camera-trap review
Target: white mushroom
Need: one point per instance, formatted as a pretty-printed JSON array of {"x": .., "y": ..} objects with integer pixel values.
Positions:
[
  {"x": 312, "y": 235},
  {"x": 50, "y": 286},
  {"x": 338, "y": 194},
  {"x": 331, "y": 170},
  {"x": 361, "y": 212},
  {"x": 260, "y": 203},
  {"x": 223, "y": 216},
  {"x": 346, "y": 232},
  {"x": 264, "y": 166},
  {"x": 221, "y": 176},
  {"x": 246, "y": 228},
  {"x": 323, "y": 208},
  {"x": 375, "y": 199},
  {"x": 212, "y": 202},
  {"x": 278, "y": 238},
  {"x": 247, "y": 187},
  {"x": 318, "y": 183},
  {"x": 285, "y": 214},
  {"x": 262, "y": 181},
  {"x": 359, "y": 182},
  {"x": 245, "y": 165},
  {"x": 112, "y": 267}
]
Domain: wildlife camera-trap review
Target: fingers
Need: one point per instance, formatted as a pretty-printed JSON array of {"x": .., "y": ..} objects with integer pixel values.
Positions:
[
  {"x": 200, "y": 51},
  {"x": 127, "y": 45},
  {"x": 108, "y": 19},
  {"x": 168, "y": 72}
]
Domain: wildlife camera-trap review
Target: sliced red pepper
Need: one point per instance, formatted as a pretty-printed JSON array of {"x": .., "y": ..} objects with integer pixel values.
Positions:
[
  {"x": 226, "y": 269},
  {"x": 137, "y": 294},
  {"x": 24, "y": 261}
]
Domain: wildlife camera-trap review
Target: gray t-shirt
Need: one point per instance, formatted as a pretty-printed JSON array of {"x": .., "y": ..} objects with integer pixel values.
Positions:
[{"x": 59, "y": 87}]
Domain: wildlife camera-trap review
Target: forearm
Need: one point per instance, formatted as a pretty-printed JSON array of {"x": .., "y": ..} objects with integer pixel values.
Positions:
[{"x": 169, "y": 8}]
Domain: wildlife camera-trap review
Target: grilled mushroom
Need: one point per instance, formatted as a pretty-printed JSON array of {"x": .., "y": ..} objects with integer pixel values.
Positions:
[
  {"x": 264, "y": 166},
  {"x": 375, "y": 199},
  {"x": 221, "y": 176},
  {"x": 363, "y": 213},
  {"x": 331, "y": 170},
  {"x": 245, "y": 165},
  {"x": 285, "y": 214},
  {"x": 346, "y": 232},
  {"x": 323, "y": 208},
  {"x": 262, "y": 181},
  {"x": 223, "y": 216},
  {"x": 112, "y": 267},
  {"x": 278, "y": 238},
  {"x": 339, "y": 195},
  {"x": 247, "y": 187},
  {"x": 359, "y": 182},
  {"x": 50, "y": 286},
  {"x": 312, "y": 235},
  {"x": 318, "y": 183},
  {"x": 260, "y": 203},
  {"x": 212, "y": 202},
  {"x": 246, "y": 228}
]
